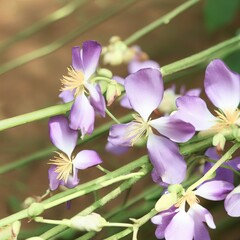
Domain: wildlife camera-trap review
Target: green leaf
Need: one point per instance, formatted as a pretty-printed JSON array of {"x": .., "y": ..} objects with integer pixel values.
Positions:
[{"x": 218, "y": 13}]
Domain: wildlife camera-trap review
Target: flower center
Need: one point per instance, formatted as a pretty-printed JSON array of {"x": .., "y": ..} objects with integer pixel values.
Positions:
[
  {"x": 63, "y": 166},
  {"x": 138, "y": 129},
  {"x": 74, "y": 81},
  {"x": 188, "y": 197},
  {"x": 227, "y": 118}
]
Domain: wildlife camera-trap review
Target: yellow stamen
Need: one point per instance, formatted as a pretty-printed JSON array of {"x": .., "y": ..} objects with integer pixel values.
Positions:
[
  {"x": 138, "y": 129},
  {"x": 188, "y": 197},
  {"x": 73, "y": 82},
  {"x": 63, "y": 166}
]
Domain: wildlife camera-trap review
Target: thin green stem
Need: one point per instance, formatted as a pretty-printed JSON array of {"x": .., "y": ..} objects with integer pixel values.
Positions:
[
  {"x": 60, "y": 13},
  {"x": 162, "y": 20},
  {"x": 17, "y": 62},
  {"x": 111, "y": 224},
  {"x": 112, "y": 116},
  {"x": 54, "y": 232},
  {"x": 208, "y": 174},
  {"x": 46, "y": 152}
]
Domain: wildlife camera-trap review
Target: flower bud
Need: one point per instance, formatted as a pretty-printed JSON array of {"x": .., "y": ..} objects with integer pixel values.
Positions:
[
  {"x": 236, "y": 134},
  {"x": 91, "y": 222},
  {"x": 35, "y": 209},
  {"x": 219, "y": 141},
  {"x": 113, "y": 91},
  {"x": 166, "y": 201},
  {"x": 10, "y": 231},
  {"x": 104, "y": 72}
]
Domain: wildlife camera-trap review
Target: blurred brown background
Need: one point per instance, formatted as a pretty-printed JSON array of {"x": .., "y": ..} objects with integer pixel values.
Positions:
[{"x": 36, "y": 84}]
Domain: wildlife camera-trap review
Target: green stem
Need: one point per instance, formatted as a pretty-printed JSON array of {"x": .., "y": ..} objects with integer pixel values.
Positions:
[
  {"x": 37, "y": 26},
  {"x": 46, "y": 152},
  {"x": 112, "y": 117},
  {"x": 162, "y": 20},
  {"x": 54, "y": 232},
  {"x": 17, "y": 62},
  {"x": 208, "y": 174},
  {"x": 110, "y": 224}
]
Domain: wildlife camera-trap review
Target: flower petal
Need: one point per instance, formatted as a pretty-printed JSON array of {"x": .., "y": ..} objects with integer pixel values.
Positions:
[
  {"x": 72, "y": 181},
  {"x": 214, "y": 190},
  {"x": 85, "y": 159},
  {"x": 76, "y": 58},
  {"x": 232, "y": 203},
  {"x": 191, "y": 109},
  {"x": 97, "y": 99},
  {"x": 91, "y": 52},
  {"x": 166, "y": 159},
  {"x": 82, "y": 115},
  {"x": 144, "y": 90},
  {"x": 116, "y": 149},
  {"x": 181, "y": 227},
  {"x": 52, "y": 176},
  {"x": 118, "y": 135},
  {"x": 124, "y": 102},
  {"x": 193, "y": 92},
  {"x": 66, "y": 96},
  {"x": 135, "y": 65},
  {"x": 175, "y": 129},
  {"x": 61, "y": 135},
  {"x": 222, "y": 85}
]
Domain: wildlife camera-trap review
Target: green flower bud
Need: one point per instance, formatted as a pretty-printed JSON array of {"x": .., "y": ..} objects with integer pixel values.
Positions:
[
  {"x": 105, "y": 73},
  {"x": 10, "y": 231},
  {"x": 219, "y": 141},
  {"x": 91, "y": 222},
  {"x": 113, "y": 91},
  {"x": 35, "y": 209},
  {"x": 166, "y": 201},
  {"x": 236, "y": 134}
]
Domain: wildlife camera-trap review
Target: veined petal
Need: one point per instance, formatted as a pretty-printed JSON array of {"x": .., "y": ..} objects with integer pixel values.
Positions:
[
  {"x": 135, "y": 65},
  {"x": 175, "y": 129},
  {"x": 181, "y": 227},
  {"x": 166, "y": 159},
  {"x": 82, "y": 115},
  {"x": 118, "y": 133},
  {"x": 200, "y": 215},
  {"x": 52, "y": 176},
  {"x": 91, "y": 52},
  {"x": 85, "y": 159},
  {"x": 97, "y": 99},
  {"x": 76, "y": 58},
  {"x": 214, "y": 190},
  {"x": 66, "y": 96},
  {"x": 61, "y": 135},
  {"x": 232, "y": 203},
  {"x": 191, "y": 109},
  {"x": 144, "y": 90},
  {"x": 222, "y": 86}
]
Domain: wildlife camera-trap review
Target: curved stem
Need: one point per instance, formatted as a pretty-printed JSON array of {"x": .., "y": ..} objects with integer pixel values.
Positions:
[
  {"x": 162, "y": 20},
  {"x": 112, "y": 117}
]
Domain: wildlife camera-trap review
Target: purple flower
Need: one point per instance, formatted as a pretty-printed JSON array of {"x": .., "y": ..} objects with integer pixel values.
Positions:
[
  {"x": 144, "y": 90},
  {"x": 222, "y": 87},
  {"x": 232, "y": 202},
  {"x": 78, "y": 86},
  {"x": 65, "y": 166}
]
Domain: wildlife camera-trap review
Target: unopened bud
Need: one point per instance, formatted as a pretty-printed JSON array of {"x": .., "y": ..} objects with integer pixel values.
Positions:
[
  {"x": 114, "y": 90},
  {"x": 236, "y": 134},
  {"x": 10, "y": 231},
  {"x": 219, "y": 141},
  {"x": 105, "y": 73},
  {"x": 35, "y": 209},
  {"x": 166, "y": 201},
  {"x": 91, "y": 222}
]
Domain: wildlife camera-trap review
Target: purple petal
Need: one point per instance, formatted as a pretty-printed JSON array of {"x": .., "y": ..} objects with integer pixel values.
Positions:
[
  {"x": 82, "y": 115},
  {"x": 116, "y": 149},
  {"x": 200, "y": 215},
  {"x": 97, "y": 99},
  {"x": 52, "y": 176},
  {"x": 157, "y": 179},
  {"x": 76, "y": 59},
  {"x": 214, "y": 190},
  {"x": 181, "y": 227},
  {"x": 222, "y": 86},
  {"x": 85, "y": 159},
  {"x": 232, "y": 203},
  {"x": 91, "y": 52},
  {"x": 135, "y": 65},
  {"x": 195, "y": 92},
  {"x": 72, "y": 181},
  {"x": 66, "y": 96},
  {"x": 124, "y": 102},
  {"x": 61, "y": 135},
  {"x": 118, "y": 135},
  {"x": 119, "y": 80},
  {"x": 162, "y": 220},
  {"x": 144, "y": 90},
  {"x": 166, "y": 159},
  {"x": 191, "y": 109},
  {"x": 175, "y": 129}
]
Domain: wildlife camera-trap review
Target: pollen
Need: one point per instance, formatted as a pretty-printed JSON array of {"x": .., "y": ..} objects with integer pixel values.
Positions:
[
  {"x": 188, "y": 197},
  {"x": 74, "y": 81},
  {"x": 227, "y": 118},
  {"x": 63, "y": 166},
  {"x": 138, "y": 129}
]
